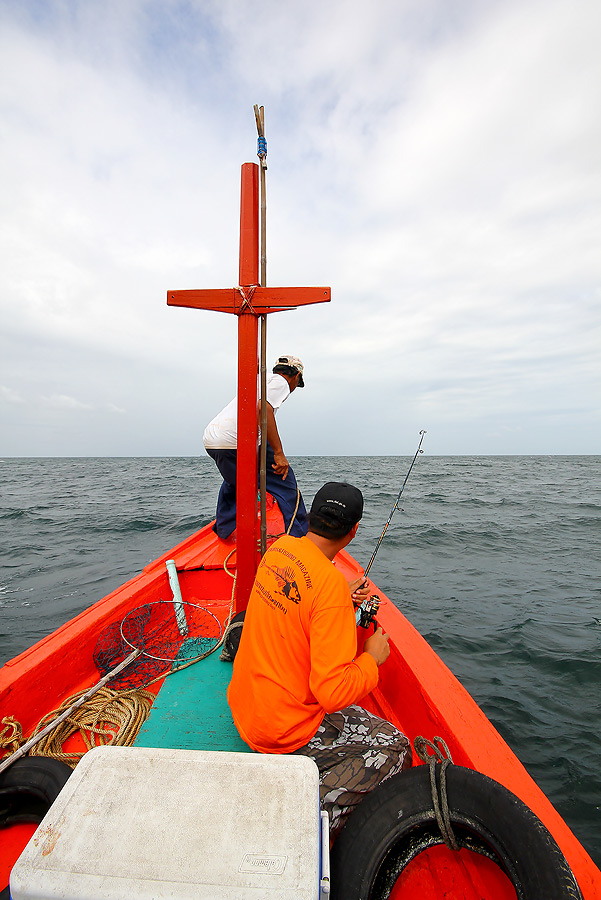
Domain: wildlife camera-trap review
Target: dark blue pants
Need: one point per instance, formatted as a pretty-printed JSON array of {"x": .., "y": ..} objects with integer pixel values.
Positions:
[{"x": 284, "y": 492}]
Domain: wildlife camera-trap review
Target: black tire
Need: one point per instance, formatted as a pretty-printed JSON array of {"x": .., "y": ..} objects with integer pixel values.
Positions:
[
  {"x": 231, "y": 641},
  {"x": 396, "y": 822},
  {"x": 28, "y": 789}
]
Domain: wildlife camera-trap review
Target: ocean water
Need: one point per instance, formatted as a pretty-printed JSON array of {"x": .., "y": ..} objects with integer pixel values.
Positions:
[{"x": 495, "y": 560}]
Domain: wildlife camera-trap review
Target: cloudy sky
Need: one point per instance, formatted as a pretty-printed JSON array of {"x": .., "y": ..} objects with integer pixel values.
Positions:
[{"x": 436, "y": 162}]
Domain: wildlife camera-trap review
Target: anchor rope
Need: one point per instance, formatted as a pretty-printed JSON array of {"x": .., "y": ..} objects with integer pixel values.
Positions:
[{"x": 295, "y": 510}]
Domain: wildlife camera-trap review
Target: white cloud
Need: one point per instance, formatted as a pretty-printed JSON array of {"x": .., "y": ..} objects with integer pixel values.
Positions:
[
  {"x": 9, "y": 395},
  {"x": 437, "y": 164},
  {"x": 63, "y": 401}
]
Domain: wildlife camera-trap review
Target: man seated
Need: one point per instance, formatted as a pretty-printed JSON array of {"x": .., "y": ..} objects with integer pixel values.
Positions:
[{"x": 297, "y": 677}]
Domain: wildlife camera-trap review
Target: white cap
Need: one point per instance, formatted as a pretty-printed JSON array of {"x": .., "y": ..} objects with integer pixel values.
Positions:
[{"x": 295, "y": 363}]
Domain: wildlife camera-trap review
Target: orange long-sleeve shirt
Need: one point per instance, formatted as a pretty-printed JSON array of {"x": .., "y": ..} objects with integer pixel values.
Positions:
[{"x": 296, "y": 659}]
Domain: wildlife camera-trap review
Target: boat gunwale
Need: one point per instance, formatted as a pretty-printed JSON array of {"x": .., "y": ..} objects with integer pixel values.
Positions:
[{"x": 414, "y": 669}]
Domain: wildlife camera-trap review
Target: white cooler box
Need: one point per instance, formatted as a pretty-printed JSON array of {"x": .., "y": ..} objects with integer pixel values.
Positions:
[{"x": 135, "y": 823}]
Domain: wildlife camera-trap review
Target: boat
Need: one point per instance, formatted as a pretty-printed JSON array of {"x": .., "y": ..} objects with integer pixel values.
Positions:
[{"x": 122, "y": 774}]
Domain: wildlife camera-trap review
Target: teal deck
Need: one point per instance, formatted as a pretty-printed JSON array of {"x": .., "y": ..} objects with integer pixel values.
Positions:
[{"x": 191, "y": 711}]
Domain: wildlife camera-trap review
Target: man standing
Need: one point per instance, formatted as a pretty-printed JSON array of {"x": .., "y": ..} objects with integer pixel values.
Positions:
[
  {"x": 297, "y": 677},
  {"x": 221, "y": 440}
]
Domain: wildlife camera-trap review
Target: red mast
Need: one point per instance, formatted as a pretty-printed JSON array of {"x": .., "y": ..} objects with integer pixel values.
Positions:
[{"x": 248, "y": 301}]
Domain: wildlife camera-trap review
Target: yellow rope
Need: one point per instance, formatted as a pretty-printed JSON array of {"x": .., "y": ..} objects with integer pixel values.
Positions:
[
  {"x": 298, "y": 497},
  {"x": 124, "y": 712},
  {"x": 10, "y": 738},
  {"x": 295, "y": 511}
]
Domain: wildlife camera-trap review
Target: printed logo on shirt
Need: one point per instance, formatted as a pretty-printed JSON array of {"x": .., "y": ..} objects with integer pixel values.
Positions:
[
  {"x": 267, "y": 598},
  {"x": 297, "y": 564},
  {"x": 286, "y": 583}
]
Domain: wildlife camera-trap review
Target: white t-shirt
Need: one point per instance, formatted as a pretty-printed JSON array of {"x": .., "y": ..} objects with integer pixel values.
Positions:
[{"x": 221, "y": 433}]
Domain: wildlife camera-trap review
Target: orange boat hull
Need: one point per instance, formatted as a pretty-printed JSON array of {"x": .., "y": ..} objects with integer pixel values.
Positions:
[{"x": 416, "y": 691}]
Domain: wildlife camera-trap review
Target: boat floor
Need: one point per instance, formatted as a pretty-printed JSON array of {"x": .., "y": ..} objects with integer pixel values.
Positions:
[{"x": 191, "y": 711}]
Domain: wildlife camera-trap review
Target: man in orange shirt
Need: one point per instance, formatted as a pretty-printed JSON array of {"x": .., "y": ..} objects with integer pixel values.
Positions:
[{"x": 297, "y": 677}]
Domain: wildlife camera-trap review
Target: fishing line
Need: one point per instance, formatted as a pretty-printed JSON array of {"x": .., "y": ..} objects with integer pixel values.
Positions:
[
  {"x": 396, "y": 503},
  {"x": 365, "y": 614}
]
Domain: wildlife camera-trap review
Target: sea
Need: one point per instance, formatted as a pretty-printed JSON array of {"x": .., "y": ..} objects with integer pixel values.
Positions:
[{"x": 496, "y": 560}]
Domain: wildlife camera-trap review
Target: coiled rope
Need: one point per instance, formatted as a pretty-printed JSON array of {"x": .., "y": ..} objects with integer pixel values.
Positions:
[
  {"x": 11, "y": 735},
  {"x": 124, "y": 712}
]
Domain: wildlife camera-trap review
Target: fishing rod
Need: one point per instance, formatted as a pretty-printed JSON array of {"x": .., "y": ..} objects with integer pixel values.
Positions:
[
  {"x": 262, "y": 154},
  {"x": 366, "y": 612}
]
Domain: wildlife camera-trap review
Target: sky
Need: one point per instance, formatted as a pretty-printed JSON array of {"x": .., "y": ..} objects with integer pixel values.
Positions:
[{"x": 437, "y": 163}]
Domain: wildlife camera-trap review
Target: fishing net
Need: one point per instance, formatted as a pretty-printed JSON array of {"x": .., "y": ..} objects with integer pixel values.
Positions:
[{"x": 169, "y": 635}]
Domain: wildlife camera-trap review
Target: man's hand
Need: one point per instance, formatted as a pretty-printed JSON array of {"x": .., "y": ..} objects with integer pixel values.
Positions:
[
  {"x": 359, "y": 589},
  {"x": 377, "y": 646},
  {"x": 280, "y": 465}
]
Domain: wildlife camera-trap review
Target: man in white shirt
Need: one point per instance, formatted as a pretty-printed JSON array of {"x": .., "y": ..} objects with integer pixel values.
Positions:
[{"x": 221, "y": 441}]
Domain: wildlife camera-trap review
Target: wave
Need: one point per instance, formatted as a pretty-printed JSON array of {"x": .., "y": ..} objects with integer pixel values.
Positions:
[{"x": 496, "y": 560}]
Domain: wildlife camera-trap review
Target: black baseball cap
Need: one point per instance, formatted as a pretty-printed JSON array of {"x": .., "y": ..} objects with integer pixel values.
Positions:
[{"x": 340, "y": 502}]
